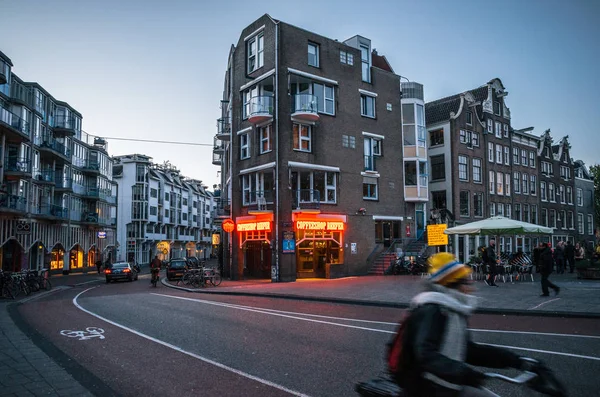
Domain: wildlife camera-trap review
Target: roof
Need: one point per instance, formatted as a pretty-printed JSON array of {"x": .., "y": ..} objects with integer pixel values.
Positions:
[{"x": 439, "y": 110}]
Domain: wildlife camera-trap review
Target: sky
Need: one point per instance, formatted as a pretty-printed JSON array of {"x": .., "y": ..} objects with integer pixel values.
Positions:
[{"x": 154, "y": 69}]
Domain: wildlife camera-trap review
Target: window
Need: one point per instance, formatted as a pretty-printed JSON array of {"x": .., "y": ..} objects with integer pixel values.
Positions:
[
  {"x": 492, "y": 186},
  {"x": 477, "y": 170},
  {"x": 552, "y": 218},
  {"x": 302, "y": 137},
  {"x": 526, "y": 213},
  {"x": 561, "y": 191},
  {"x": 515, "y": 155},
  {"x": 525, "y": 189},
  {"x": 366, "y": 64},
  {"x": 534, "y": 214},
  {"x": 551, "y": 193},
  {"x": 563, "y": 219},
  {"x": 469, "y": 118},
  {"x": 257, "y": 185},
  {"x": 543, "y": 196},
  {"x": 498, "y": 129},
  {"x": 438, "y": 168},
  {"x": 325, "y": 98},
  {"x": 166, "y": 196},
  {"x": 313, "y": 54},
  {"x": 153, "y": 210},
  {"x": 523, "y": 157},
  {"x": 464, "y": 203},
  {"x": 490, "y": 126},
  {"x": 498, "y": 154},
  {"x": 507, "y": 184},
  {"x": 544, "y": 217},
  {"x": 367, "y": 106},
  {"x": 265, "y": 136},
  {"x": 254, "y": 51},
  {"x": 580, "y": 197},
  {"x": 508, "y": 212},
  {"x": 533, "y": 184},
  {"x": 262, "y": 102},
  {"x": 497, "y": 108},
  {"x": 570, "y": 220},
  {"x": 438, "y": 199},
  {"x": 517, "y": 182},
  {"x": 532, "y": 159},
  {"x": 570, "y": 195},
  {"x": 153, "y": 193},
  {"x": 580, "y": 223},
  {"x": 372, "y": 148},
  {"x": 346, "y": 58},
  {"x": 500, "y": 183},
  {"x": 506, "y": 130},
  {"x": 436, "y": 137},
  {"x": 590, "y": 222},
  {"x": 517, "y": 212},
  {"x": 370, "y": 188},
  {"x": 506, "y": 155},
  {"x": 492, "y": 209},
  {"x": 475, "y": 138},
  {"x": 463, "y": 173},
  {"x": 499, "y": 209},
  {"x": 349, "y": 141},
  {"x": 478, "y": 204},
  {"x": 244, "y": 146}
]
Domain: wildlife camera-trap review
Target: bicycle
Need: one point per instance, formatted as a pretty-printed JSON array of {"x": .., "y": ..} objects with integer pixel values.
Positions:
[
  {"x": 155, "y": 276},
  {"x": 6, "y": 285},
  {"x": 43, "y": 279}
]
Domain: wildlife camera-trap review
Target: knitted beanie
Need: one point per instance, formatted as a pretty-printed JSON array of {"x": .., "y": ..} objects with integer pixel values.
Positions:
[{"x": 445, "y": 269}]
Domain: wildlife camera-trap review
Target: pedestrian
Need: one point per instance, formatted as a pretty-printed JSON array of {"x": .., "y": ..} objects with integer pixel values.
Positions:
[
  {"x": 579, "y": 253},
  {"x": 546, "y": 264},
  {"x": 155, "y": 266},
  {"x": 559, "y": 257},
  {"x": 536, "y": 256},
  {"x": 570, "y": 256},
  {"x": 437, "y": 351},
  {"x": 98, "y": 265},
  {"x": 490, "y": 259}
]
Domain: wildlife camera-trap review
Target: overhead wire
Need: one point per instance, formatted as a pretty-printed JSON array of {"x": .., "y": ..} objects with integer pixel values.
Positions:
[{"x": 157, "y": 141}]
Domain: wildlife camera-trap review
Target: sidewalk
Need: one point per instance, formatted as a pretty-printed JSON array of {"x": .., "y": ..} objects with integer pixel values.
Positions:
[{"x": 578, "y": 298}]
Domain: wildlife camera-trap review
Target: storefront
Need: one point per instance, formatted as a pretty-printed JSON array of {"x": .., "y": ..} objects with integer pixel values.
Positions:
[
  {"x": 319, "y": 243},
  {"x": 254, "y": 236}
]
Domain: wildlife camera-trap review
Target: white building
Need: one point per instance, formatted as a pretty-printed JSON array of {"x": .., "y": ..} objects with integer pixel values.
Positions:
[{"x": 160, "y": 212}]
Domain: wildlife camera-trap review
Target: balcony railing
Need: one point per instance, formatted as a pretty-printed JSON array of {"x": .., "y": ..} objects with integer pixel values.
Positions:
[
  {"x": 223, "y": 129},
  {"x": 54, "y": 145},
  {"x": 90, "y": 217},
  {"x": 91, "y": 165},
  {"x": 219, "y": 146},
  {"x": 46, "y": 176},
  {"x": 15, "y": 122},
  {"x": 12, "y": 202},
  {"x": 306, "y": 199},
  {"x": 305, "y": 107},
  {"x": 64, "y": 123},
  {"x": 53, "y": 210},
  {"x": 63, "y": 183},
  {"x": 259, "y": 200},
  {"x": 370, "y": 163},
  {"x": 17, "y": 164},
  {"x": 223, "y": 208},
  {"x": 261, "y": 109},
  {"x": 217, "y": 158}
]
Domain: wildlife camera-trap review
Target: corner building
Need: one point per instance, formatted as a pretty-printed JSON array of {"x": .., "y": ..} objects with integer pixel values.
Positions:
[{"x": 315, "y": 172}]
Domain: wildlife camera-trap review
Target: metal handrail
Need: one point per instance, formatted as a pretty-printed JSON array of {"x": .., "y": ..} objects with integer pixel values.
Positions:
[{"x": 17, "y": 164}]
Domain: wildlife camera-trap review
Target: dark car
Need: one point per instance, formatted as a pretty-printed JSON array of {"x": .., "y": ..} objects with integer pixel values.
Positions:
[
  {"x": 176, "y": 268},
  {"x": 120, "y": 271}
]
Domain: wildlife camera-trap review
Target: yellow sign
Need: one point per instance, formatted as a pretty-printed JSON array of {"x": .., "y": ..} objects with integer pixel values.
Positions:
[
  {"x": 436, "y": 236},
  {"x": 216, "y": 239}
]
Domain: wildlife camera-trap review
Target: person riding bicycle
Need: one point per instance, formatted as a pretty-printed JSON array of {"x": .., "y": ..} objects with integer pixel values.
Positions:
[
  {"x": 437, "y": 347},
  {"x": 154, "y": 268}
]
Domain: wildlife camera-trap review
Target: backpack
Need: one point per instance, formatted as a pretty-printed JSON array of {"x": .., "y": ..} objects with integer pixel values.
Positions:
[{"x": 396, "y": 362}]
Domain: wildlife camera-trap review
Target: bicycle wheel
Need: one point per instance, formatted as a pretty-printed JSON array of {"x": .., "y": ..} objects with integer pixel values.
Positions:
[
  {"x": 24, "y": 287},
  {"x": 186, "y": 279},
  {"x": 45, "y": 284},
  {"x": 7, "y": 292},
  {"x": 216, "y": 279},
  {"x": 34, "y": 285}
]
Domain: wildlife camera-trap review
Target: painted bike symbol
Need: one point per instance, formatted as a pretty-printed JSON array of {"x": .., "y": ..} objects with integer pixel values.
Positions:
[{"x": 89, "y": 333}]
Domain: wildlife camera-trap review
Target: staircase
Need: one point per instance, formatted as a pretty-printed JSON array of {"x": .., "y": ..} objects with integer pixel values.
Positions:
[
  {"x": 410, "y": 247},
  {"x": 381, "y": 263}
]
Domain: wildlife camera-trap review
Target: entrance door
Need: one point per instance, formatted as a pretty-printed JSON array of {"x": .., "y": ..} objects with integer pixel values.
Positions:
[
  {"x": 387, "y": 234},
  {"x": 420, "y": 219},
  {"x": 258, "y": 259},
  {"x": 313, "y": 255}
]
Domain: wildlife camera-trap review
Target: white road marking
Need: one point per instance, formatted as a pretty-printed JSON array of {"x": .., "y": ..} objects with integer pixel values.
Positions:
[
  {"x": 179, "y": 349},
  {"x": 534, "y": 333},
  {"x": 543, "y": 303},
  {"x": 89, "y": 333},
  {"x": 547, "y": 352}
]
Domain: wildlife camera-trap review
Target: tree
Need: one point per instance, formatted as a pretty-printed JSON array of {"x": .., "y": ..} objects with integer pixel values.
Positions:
[{"x": 595, "y": 174}]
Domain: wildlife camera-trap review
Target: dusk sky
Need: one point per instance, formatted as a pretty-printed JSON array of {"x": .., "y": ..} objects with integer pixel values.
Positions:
[{"x": 154, "y": 69}]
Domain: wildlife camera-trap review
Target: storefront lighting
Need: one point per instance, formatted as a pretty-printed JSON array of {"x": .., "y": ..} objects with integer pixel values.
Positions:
[
  {"x": 319, "y": 225},
  {"x": 254, "y": 226}
]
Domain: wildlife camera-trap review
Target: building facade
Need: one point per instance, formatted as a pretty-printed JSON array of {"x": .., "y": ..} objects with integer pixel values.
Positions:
[
  {"x": 57, "y": 198},
  {"x": 161, "y": 212},
  {"x": 317, "y": 168},
  {"x": 584, "y": 203},
  {"x": 481, "y": 167}
]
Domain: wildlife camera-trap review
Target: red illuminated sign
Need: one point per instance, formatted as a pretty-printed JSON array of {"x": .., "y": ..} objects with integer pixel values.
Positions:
[
  {"x": 228, "y": 226},
  {"x": 320, "y": 225},
  {"x": 262, "y": 226}
]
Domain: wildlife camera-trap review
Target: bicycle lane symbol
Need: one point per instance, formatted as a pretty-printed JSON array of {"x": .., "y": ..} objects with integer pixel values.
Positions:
[{"x": 89, "y": 333}]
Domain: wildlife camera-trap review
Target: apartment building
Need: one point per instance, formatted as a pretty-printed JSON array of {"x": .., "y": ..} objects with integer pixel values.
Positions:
[
  {"x": 57, "y": 199},
  {"x": 481, "y": 166},
  {"x": 161, "y": 212},
  {"x": 584, "y": 202},
  {"x": 323, "y": 160}
]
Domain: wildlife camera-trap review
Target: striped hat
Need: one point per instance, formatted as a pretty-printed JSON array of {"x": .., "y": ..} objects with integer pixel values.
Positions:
[{"x": 445, "y": 269}]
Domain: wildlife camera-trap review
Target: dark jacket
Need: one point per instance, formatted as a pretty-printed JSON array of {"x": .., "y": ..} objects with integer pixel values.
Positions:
[
  {"x": 559, "y": 253},
  {"x": 491, "y": 255},
  {"x": 546, "y": 261},
  {"x": 428, "y": 369},
  {"x": 570, "y": 251}
]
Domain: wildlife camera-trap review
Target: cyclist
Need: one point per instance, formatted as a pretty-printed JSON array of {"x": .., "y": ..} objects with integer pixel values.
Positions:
[
  {"x": 155, "y": 268},
  {"x": 436, "y": 342}
]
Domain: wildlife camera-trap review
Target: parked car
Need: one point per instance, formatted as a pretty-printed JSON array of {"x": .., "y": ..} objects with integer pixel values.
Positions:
[
  {"x": 176, "y": 268},
  {"x": 120, "y": 271}
]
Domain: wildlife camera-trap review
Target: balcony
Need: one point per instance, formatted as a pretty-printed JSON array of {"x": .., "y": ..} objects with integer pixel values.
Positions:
[
  {"x": 370, "y": 164},
  {"x": 258, "y": 201},
  {"x": 223, "y": 208},
  {"x": 305, "y": 107},
  {"x": 217, "y": 158},
  {"x": 223, "y": 129},
  {"x": 306, "y": 199},
  {"x": 89, "y": 217},
  {"x": 17, "y": 166},
  {"x": 416, "y": 193},
  {"x": 16, "y": 128},
  {"x": 44, "y": 176},
  {"x": 12, "y": 202},
  {"x": 261, "y": 109},
  {"x": 219, "y": 146},
  {"x": 91, "y": 167},
  {"x": 51, "y": 146},
  {"x": 64, "y": 125},
  {"x": 51, "y": 210},
  {"x": 63, "y": 184}
]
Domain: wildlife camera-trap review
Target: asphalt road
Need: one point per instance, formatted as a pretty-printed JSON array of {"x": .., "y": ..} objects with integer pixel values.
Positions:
[{"x": 158, "y": 341}]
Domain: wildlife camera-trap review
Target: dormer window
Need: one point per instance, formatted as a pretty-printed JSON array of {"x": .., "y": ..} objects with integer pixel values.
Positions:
[
  {"x": 497, "y": 108},
  {"x": 469, "y": 118}
]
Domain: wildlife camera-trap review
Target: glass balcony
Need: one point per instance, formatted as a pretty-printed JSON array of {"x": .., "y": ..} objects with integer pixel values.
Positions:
[
  {"x": 12, "y": 202},
  {"x": 217, "y": 158},
  {"x": 16, "y": 125},
  {"x": 50, "y": 145},
  {"x": 17, "y": 165},
  {"x": 219, "y": 146},
  {"x": 261, "y": 109},
  {"x": 91, "y": 166},
  {"x": 51, "y": 210},
  {"x": 259, "y": 200},
  {"x": 64, "y": 124},
  {"x": 89, "y": 217},
  {"x": 306, "y": 199},
  {"x": 369, "y": 163},
  {"x": 44, "y": 176},
  {"x": 223, "y": 129},
  {"x": 63, "y": 183},
  {"x": 305, "y": 107}
]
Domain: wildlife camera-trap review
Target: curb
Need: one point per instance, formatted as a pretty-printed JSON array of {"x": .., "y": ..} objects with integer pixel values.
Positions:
[{"x": 345, "y": 301}]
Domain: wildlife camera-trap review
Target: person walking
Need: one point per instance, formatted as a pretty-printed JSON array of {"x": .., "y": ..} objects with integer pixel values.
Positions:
[
  {"x": 490, "y": 260},
  {"x": 537, "y": 251},
  {"x": 559, "y": 257},
  {"x": 546, "y": 264},
  {"x": 579, "y": 253},
  {"x": 570, "y": 256}
]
